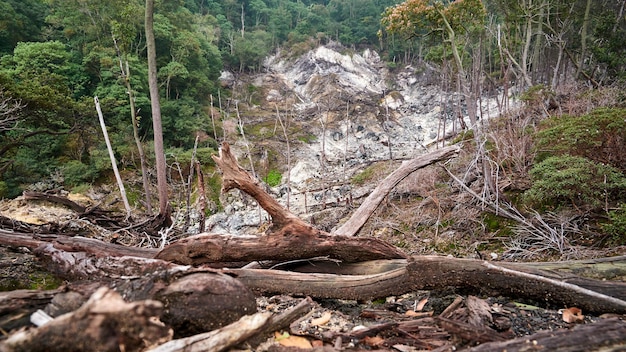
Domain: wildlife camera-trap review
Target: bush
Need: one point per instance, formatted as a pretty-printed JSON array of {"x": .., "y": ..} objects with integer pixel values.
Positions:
[
  {"x": 4, "y": 190},
  {"x": 75, "y": 173},
  {"x": 616, "y": 227},
  {"x": 574, "y": 180},
  {"x": 599, "y": 136}
]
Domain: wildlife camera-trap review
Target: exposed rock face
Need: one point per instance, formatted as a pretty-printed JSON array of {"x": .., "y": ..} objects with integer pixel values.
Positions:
[{"x": 359, "y": 113}]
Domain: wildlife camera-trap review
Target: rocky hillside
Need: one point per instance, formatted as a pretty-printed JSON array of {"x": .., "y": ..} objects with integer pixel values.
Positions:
[{"x": 347, "y": 121}]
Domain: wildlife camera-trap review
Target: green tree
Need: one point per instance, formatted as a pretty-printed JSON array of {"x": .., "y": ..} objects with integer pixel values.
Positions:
[{"x": 20, "y": 21}]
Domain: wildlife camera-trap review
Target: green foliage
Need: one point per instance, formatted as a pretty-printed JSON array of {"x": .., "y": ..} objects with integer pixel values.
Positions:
[
  {"x": 20, "y": 21},
  {"x": 573, "y": 180},
  {"x": 4, "y": 190},
  {"x": 75, "y": 173},
  {"x": 599, "y": 136},
  {"x": 616, "y": 225},
  {"x": 273, "y": 178}
]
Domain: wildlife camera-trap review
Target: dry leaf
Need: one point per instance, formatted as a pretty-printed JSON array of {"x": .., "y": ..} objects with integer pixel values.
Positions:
[
  {"x": 317, "y": 343},
  {"x": 292, "y": 341},
  {"x": 324, "y": 319},
  {"x": 573, "y": 315},
  {"x": 421, "y": 305},
  {"x": 374, "y": 340}
]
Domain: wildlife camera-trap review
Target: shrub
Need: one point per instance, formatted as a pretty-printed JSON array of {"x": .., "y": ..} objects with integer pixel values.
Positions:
[
  {"x": 574, "y": 180},
  {"x": 616, "y": 226},
  {"x": 599, "y": 136},
  {"x": 75, "y": 173}
]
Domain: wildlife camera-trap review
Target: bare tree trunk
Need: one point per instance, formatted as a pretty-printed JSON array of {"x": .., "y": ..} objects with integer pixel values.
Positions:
[
  {"x": 125, "y": 72},
  {"x": 583, "y": 40},
  {"x": 201, "y": 198},
  {"x": 120, "y": 184},
  {"x": 288, "y": 154},
  {"x": 164, "y": 209}
]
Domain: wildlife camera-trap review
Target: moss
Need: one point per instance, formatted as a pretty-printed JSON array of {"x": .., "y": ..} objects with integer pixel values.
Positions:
[
  {"x": 273, "y": 178},
  {"x": 367, "y": 174},
  {"x": 496, "y": 224}
]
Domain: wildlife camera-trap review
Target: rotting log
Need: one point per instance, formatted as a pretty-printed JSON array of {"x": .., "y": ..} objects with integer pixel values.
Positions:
[
  {"x": 363, "y": 281},
  {"x": 219, "y": 250},
  {"x": 432, "y": 272},
  {"x": 194, "y": 299},
  {"x": 104, "y": 323},
  {"x": 604, "y": 335}
]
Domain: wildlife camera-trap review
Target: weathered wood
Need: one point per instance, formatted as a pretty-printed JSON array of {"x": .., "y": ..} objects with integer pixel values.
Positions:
[
  {"x": 369, "y": 205},
  {"x": 605, "y": 335},
  {"x": 17, "y": 306},
  {"x": 104, "y": 323},
  {"x": 285, "y": 245},
  {"x": 218, "y": 340},
  {"x": 234, "y": 176},
  {"x": 195, "y": 300},
  {"x": 431, "y": 272},
  {"x": 252, "y": 330},
  {"x": 75, "y": 243}
]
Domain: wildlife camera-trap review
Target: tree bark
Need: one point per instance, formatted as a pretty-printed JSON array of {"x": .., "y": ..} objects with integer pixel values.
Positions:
[
  {"x": 104, "y": 323},
  {"x": 287, "y": 244},
  {"x": 159, "y": 152}
]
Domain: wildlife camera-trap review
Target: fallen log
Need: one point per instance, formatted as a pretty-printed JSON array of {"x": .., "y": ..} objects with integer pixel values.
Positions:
[
  {"x": 104, "y": 323},
  {"x": 194, "y": 300},
  {"x": 218, "y": 250},
  {"x": 433, "y": 272},
  {"x": 605, "y": 335}
]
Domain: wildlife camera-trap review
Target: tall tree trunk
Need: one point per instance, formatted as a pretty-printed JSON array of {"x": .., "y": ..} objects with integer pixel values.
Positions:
[
  {"x": 583, "y": 39},
  {"x": 164, "y": 210},
  {"x": 125, "y": 71}
]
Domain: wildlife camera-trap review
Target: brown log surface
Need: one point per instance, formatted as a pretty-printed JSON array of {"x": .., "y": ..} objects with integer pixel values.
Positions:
[{"x": 605, "y": 335}]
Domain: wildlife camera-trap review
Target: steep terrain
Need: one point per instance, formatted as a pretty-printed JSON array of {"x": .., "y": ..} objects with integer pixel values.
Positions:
[{"x": 347, "y": 121}]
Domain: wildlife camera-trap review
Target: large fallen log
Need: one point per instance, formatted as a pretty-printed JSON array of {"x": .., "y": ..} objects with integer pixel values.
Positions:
[
  {"x": 104, "y": 323},
  {"x": 365, "y": 281},
  {"x": 437, "y": 272}
]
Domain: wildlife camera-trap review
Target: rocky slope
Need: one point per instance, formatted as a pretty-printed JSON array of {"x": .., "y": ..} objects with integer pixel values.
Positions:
[{"x": 342, "y": 112}]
